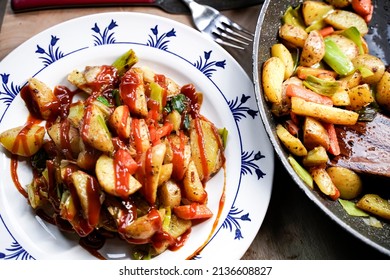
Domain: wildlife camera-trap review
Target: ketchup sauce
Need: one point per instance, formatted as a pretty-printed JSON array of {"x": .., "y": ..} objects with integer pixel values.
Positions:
[{"x": 132, "y": 156}]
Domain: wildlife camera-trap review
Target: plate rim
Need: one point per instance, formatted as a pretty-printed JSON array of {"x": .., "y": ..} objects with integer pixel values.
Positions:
[{"x": 216, "y": 47}]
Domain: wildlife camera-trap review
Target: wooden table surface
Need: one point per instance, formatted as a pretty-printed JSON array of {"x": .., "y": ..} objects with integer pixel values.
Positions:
[{"x": 294, "y": 227}]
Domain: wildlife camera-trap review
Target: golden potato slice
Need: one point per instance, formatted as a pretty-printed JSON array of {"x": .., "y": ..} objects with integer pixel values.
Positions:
[
  {"x": 324, "y": 182},
  {"x": 314, "y": 11},
  {"x": 172, "y": 87},
  {"x": 148, "y": 74},
  {"x": 177, "y": 227},
  {"x": 347, "y": 181},
  {"x": 272, "y": 79},
  {"x": 341, "y": 97},
  {"x": 313, "y": 50},
  {"x": 351, "y": 80},
  {"x": 339, "y": 3},
  {"x": 89, "y": 193},
  {"x": 100, "y": 77},
  {"x": 105, "y": 173},
  {"x": 314, "y": 134},
  {"x": 294, "y": 35},
  {"x": 77, "y": 79},
  {"x": 360, "y": 96},
  {"x": 316, "y": 157},
  {"x": 342, "y": 19},
  {"x": 376, "y": 205},
  {"x": 192, "y": 185},
  {"x": 68, "y": 142},
  {"x": 94, "y": 130},
  {"x": 23, "y": 140},
  {"x": 165, "y": 174},
  {"x": 146, "y": 226},
  {"x": 152, "y": 167},
  {"x": 120, "y": 121},
  {"x": 372, "y": 63},
  {"x": 132, "y": 92},
  {"x": 323, "y": 112},
  {"x": 44, "y": 98},
  {"x": 169, "y": 194},
  {"x": 383, "y": 91},
  {"x": 206, "y": 148},
  {"x": 292, "y": 143},
  {"x": 347, "y": 46},
  {"x": 280, "y": 50}
]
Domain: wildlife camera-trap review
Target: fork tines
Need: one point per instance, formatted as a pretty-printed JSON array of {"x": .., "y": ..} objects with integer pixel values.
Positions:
[{"x": 231, "y": 34}]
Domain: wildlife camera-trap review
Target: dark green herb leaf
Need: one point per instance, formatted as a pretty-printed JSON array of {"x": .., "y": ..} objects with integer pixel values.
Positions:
[{"x": 103, "y": 100}]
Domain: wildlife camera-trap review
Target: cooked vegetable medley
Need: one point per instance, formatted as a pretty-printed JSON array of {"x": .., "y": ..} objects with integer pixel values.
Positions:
[
  {"x": 321, "y": 76},
  {"x": 129, "y": 157}
]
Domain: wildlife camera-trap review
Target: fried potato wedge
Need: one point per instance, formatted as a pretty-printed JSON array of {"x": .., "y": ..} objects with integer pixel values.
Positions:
[
  {"x": 292, "y": 143},
  {"x": 376, "y": 205},
  {"x": 23, "y": 140},
  {"x": 94, "y": 130},
  {"x": 281, "y": 51},
  {"x": 44, "y": 98},
  {"x": 273, "y": 76},
  {"x": 105, "y": 173},
  {"x": 323, "y": 112},
  {"x": 209, "y": 148},
  {"x": 342, "y": 19}
]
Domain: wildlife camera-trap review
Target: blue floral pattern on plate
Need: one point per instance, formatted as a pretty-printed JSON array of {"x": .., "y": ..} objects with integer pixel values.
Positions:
[{"x": 256, "y": 160}]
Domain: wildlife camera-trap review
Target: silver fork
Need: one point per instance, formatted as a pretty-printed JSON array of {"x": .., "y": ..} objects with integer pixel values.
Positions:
[{"x": 217, "y": 26}]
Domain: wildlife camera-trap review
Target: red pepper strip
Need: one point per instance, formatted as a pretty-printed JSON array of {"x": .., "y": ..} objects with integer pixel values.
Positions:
[
  {"x": 326, "y": 31},
  {"x": 193, "y": 211},
  {"x": 292, "y": 127},
  {"x": 336, "y": 195},
  {"x": 153, "y": 113},
  {"x": 362, "y": 7},
  {"x": 157, "y": 133},
  {"x": 304, "y": 72},
  {"x": 334, "y": 147},
  {"x": 368, "y": 17},
  {"x": 307, "y": 94}
]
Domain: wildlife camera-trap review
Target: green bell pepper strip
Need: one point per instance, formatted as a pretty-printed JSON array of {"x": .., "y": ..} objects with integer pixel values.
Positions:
[
  {"x": 318, "y": 25},
  {"x": 336, "y": 59},
  {"x": 293, "y": 16},
  {"x": 321, "y": 86},
  {"x": 224, "y": 134},
  {"x": 167, "y": 219},
  {"x": 353, "y": 34},
  {"x": 156, "y": 94},
  {"x": 125, "y": 62},
  {"x": 351, "y": 209},
  {"x": 103, "y": 100},
  {"x": 301, "y": 172}
]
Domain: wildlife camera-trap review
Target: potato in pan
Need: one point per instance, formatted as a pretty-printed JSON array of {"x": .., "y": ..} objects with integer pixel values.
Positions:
[{"x": 334, "y": 80}]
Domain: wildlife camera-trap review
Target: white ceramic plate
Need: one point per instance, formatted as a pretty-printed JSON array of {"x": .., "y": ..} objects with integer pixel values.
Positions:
[{"x": 181, "y": 53}]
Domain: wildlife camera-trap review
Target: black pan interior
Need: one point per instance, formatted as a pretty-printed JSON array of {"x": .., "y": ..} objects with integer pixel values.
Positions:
[{"x": 378, "y": 40}]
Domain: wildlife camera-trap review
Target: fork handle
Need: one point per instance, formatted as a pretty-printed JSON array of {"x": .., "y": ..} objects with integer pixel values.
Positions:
[{"x": 189, "y": 2}]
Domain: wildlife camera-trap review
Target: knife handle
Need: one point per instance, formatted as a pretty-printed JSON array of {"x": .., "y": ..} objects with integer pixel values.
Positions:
[{"x": 28, "y": 5}]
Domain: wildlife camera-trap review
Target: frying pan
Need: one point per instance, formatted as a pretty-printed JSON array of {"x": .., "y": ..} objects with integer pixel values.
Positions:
[{"x": 378, "y": 39}]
